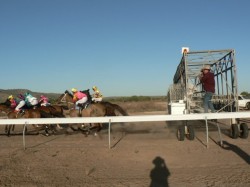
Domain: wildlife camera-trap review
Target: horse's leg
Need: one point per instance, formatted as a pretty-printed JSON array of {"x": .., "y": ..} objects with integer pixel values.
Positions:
[
  {"x": 73, "y": 128},
  {"x": 37, "y": 128},
  {"x": 8, "y": 131},
  {"x": 99, "y": 128},
  {"x": 53, "y": 128},
  {"x": 59, "y": 126},
  {"x": 13, "y": 127},
  {"x": 96, "y": 126},
  {"x": 46, "y": 129}
]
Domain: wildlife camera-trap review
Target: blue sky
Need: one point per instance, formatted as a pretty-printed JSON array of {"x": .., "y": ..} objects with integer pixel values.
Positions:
[{"x": 124, "y": 47}]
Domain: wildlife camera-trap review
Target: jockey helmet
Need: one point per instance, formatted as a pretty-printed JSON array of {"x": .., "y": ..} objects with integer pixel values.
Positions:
[
  {"x": 42, "y": 96},
  {"x": 74, "y": 90},
  {"x": 11, "y": 97},
  {"x": 94, "y": 88}
]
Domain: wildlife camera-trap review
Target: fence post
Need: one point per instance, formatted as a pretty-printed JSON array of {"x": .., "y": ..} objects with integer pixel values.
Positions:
[
  {"x": 109, "y": 132},
  {"x": 24, "y": 129},
  {"x": 206, "y": 130}
]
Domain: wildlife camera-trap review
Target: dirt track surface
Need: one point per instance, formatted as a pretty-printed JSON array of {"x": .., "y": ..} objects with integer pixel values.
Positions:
[{"x": 142, "y": 154}]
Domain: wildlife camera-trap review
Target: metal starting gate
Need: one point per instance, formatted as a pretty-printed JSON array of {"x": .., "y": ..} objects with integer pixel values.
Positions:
[
  {"x": 187, "y": 87},
  {"x": 187, "y": 90}
]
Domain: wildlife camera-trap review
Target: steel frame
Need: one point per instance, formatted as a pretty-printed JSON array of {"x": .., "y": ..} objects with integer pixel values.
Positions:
[{"x": 186, "y": 85}]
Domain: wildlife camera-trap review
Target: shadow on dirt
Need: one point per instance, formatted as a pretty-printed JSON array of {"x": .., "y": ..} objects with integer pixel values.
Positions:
[
  {"x": 160, "y": 173},
  {"x": 230, "y": 147}
]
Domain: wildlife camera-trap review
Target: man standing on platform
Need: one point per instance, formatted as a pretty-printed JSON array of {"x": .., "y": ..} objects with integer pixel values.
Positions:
[{"x": 208, "y": 82}]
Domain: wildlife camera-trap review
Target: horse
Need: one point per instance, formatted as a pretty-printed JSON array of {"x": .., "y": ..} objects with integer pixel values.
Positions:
[
  {"x": 4, "y": 108},
  {"x": 111, "y": 109},
  {"x": 90, "y": 111},
  {"x": 93, "y": 109},
  {"x": 67, "y": 99},
  {"x": 50, "y": 111},
  {"x": 27, "y": 113},
  {"x": 53, "y": 110}
]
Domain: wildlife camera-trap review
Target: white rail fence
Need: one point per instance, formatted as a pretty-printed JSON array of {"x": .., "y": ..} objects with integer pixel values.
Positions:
[{"x": 122, "y": 119}]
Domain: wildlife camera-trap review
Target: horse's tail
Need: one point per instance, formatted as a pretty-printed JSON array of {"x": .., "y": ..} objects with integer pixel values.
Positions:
[
  {"x": 110, "y": 107},
  {"x": 120, "y": 109}
]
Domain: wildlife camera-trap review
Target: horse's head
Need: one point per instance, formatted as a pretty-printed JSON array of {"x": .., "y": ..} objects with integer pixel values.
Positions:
[
  {"x": 7, "y": 102},
  {"x": 4, "y": 108},
  {"x": 68, "y": 93}
]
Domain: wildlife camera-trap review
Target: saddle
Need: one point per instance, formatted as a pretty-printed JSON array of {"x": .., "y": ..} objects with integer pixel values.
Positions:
[
  {"x": 21, "y": 112},
  {"x": 83, "y": 106}
]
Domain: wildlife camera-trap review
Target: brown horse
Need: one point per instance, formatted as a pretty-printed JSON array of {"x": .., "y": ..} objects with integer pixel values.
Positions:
[
  {"x": 29, "y": 113},
  {"x": 111, "y": 109},
  {"x": 93, "y": 110},
  {"x": 4, "y": 108},
  {"x": 51, "y": 111}
]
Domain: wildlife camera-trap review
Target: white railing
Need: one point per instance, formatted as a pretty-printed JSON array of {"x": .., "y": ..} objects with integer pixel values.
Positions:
[{"x": 116, "y": 119}]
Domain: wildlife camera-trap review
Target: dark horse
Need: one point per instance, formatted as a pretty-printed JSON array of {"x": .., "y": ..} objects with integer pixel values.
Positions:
[
  {"x": 39, "y": 112},
  {"x": 92, "y": 110},
  {"x": 29, "y": 113}
]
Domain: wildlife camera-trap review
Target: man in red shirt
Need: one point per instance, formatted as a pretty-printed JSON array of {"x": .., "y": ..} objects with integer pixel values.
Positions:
[{"x": 207, "y": 80}]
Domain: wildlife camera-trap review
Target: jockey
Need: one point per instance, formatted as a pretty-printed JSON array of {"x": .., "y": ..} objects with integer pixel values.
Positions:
[
  {"x": 96, "y": 96},
  {"x": 78, "y": 97},
  {"x": 30, "y": 100},
  {"x": 44, "y": 101},
  {"x": 21, "y": 102},
  {"x": 13, "y": 102},
  {"x": 18, "y": 103}
]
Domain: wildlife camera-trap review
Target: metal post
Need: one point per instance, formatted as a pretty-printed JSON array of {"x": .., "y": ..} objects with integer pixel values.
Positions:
[
  {"x": 221, "y": 143},
  {"x": 109, "y": 132},
  {"x": 206, "y": 130},
  {"x": 24, "y": 129}
]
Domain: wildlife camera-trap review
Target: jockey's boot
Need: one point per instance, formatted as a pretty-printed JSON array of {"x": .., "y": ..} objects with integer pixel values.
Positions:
[{"x": 86, "y": 105}]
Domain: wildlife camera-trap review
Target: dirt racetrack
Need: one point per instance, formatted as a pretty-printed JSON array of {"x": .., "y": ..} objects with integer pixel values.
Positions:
[{"x": 142, "y": 154}]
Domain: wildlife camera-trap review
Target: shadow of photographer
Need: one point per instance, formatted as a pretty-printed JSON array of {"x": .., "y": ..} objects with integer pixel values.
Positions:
[{"x": 159, "y": 174}]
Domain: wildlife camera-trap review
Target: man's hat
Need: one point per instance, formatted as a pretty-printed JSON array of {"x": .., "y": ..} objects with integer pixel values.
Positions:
[{"x": 208, "y": 67}]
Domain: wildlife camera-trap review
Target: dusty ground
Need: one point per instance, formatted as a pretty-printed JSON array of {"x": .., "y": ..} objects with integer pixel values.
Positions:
[{"x": 142, "y": 154}]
